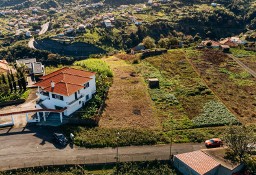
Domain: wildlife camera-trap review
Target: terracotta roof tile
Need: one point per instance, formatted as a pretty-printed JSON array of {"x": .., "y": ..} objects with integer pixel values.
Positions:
[
  {"x": 198, "y": 161},
  {"x": 66, "y": 81},
  {"x": 64, "y": 88},
  {"x": 69, "y": 70}
]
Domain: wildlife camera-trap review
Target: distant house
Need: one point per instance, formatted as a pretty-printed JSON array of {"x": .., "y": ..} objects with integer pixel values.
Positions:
[
  {"x": 81, "y": 27},
  {"x": 237, "y": 40},
  {"x": 69, "y": 31},
  {"x": 137, "y": 48},
  {"x": 150, "y": 2},
  {"x": 66, "y": 26},
  {"x": 28, "y": 34},
  {"x": 225, "y": 48},
  {"x": 210, "y": 44},
  {"x": 228, "y": 42},
  {"x": 32, "y": 66},
  {"x": 214, "y": 4},
  {"x": 67, "y": 89},
  {"x": 107, "y": 23},
  {"x": 204, "y": 162}
]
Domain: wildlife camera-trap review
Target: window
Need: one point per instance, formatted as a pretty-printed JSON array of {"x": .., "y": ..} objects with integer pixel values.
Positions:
[
  {"x": 86, "y": 85},
  {"x": 78, "y": 91},
  {"x": 87, "y": 97},
  {"x": 57, "y": 96},
  {"x": 79, "y": 102}
]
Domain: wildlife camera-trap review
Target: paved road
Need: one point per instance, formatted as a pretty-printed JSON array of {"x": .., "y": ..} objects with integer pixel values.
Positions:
[
  {"x": 44, "y": 28},
  {"x": 250, "y": 71},
  {"x": 33, "y": 146}
]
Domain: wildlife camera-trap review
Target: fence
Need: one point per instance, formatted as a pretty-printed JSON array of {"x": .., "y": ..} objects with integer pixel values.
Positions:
[{"x": 79, "y": 160}]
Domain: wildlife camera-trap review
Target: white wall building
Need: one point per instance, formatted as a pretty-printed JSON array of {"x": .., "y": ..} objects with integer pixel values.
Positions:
[{"x": 67, "y": 89}]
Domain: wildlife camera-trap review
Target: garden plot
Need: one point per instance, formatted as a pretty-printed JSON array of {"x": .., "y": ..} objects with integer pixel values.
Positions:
[
  {"x": 128, "y": 104},
  {"x": 182, "y": 95},
  {"x": 233, "y": 85}
]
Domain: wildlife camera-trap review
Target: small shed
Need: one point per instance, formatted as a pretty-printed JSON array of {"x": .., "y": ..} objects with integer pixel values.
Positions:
[
  {"x": 153, "y": 83},
  {"x": 225, "y": 48},
  {"x": 196, "y": 163}
]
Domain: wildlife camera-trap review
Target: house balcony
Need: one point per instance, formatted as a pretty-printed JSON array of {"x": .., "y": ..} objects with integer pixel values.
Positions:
[
  {"x": 43, "y": 95},
  {"x": 74, "y": 101}
]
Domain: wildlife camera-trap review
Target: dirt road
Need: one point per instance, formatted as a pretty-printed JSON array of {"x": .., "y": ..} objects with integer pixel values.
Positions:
[{"x": 33, "y": 146}]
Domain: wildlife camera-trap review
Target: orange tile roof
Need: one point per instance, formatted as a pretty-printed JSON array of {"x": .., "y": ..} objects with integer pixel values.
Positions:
[
  {"x": 64, "y": 88},
  {"x": 66, "y": 81},
  {"x": 69, "y": 70},
  {"x": 198, "y": 161}
]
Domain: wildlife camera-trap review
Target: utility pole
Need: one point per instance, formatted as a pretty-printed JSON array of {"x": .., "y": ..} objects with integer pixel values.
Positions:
[
  {"x": 170, "y": 156},
  {"x": 117, "y": 156}
]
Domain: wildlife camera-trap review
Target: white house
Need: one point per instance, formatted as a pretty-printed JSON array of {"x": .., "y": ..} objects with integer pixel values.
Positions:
[
  {"x": 107, "y": 23},
  {"x": 67, "y": 89}
]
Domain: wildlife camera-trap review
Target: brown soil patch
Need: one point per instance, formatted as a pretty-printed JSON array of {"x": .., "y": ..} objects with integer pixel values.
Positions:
[
  {"x": 128, "y": 104},
  {"x": 249, "y": 62},
  {"x": 225, "y": 79}
]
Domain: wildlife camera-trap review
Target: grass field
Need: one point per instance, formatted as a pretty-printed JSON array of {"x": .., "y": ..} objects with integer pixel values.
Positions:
[
  {"x": 247, "y": 57},
  {"x": 229, "y": 82},
  {"x": 128, "y": 104},
  {"x": 181, "y": 99}
]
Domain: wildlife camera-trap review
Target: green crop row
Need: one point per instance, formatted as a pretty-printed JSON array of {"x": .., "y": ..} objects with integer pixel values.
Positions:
[{"x": 214, "y": 114}]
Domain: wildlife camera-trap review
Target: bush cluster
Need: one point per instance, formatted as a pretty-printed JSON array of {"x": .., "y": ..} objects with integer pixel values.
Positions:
[
  {"x": 96, "y": 65},
  {"x": 214, "y": 114},
  {"x": 102, "y": 137}
]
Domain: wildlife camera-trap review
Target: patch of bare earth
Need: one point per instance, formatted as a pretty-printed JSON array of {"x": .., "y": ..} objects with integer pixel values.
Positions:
[
  {"x": 128, "y": 104},
  {"x": 237, "y": 93}
]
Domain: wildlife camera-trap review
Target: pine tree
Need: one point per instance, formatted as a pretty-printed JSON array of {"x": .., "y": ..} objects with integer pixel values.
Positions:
[
  {"x": 13, "y": 82},
  {"x": 9, "y": 82},
  {"x": 3, "y": 79},
  {"x": 19, "y": 81}
]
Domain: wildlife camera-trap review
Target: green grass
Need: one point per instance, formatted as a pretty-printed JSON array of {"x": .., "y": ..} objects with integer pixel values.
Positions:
[
  {"x": 126, "y": 168},
  {"x": 14, "y": 96},
  {"x": 103, "y": 137},
  {"x": 96, "y": 65},
  {"x": 214, "y": 114},
  {"x": 179, "y": 88},
  {"x": 241, "y": 78},
  {"x": 242, "y": 53}
]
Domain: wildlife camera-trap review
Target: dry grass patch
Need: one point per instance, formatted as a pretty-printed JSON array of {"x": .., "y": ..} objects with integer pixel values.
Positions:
[
  {"x": 128, "y": 104},
  {"x": 230, "y": 83}
]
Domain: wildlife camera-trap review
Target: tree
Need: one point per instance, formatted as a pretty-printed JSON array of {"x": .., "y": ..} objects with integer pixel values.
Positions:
[
  {"x": 164, "y": 43},
  {"x": 237, "y": 139},
  {"x": 9, "y": 82},
  {"x": 3, "y": 79},
  {"x": 19, "y": 81},
  {"x": 13, "y": 82},
  {"x": 149, "y": 42}
]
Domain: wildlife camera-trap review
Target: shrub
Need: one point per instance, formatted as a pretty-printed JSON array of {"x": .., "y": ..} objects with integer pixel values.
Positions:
[
  {"x": 144, "y": 168},
  {"x": 102, "y": 137},
  {"x": 96, "y": 65},
  {"x": 214, "y": 114}
]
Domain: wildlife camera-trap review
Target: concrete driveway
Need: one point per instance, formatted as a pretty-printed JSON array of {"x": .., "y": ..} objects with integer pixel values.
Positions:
[{"x": 34, "y": 146}]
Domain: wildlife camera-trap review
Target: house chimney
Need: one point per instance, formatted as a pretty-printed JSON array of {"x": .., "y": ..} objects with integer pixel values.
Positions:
[{"x": 52, "y": 84}]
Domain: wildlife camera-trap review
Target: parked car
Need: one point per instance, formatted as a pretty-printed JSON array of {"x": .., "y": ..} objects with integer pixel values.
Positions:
[
  {"x": 60, "y": 138},
  {"x": 214, "y": 142}
]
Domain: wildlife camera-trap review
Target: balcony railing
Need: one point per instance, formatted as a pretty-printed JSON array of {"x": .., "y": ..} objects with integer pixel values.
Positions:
[{"x": 72, "y": 102}]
